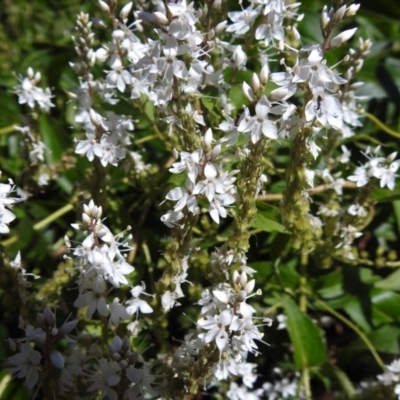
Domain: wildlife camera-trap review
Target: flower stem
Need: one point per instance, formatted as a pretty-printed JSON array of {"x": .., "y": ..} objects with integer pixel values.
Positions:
[{"x": 352, "y": 326}]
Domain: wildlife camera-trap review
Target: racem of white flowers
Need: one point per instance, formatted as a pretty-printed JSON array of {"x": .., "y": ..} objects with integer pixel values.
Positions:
[{"x": 205, "y": 179}]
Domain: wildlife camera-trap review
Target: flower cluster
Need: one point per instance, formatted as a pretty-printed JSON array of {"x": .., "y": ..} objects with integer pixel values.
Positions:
[
  {"x": 6, "y": 204},
  {"x": 29, "y": 93},
  {"x": 205, "y": 178},
  {"x": 100, "y": 260},
  {"x": 123, "y": 364},
  {"x": 392, "y": 376},
  {"x": 38, "y": 351},
  {"x": 377, "y": 167},
  {"x": 173, "y": 70},
  {"x": 227, "y": 322}
]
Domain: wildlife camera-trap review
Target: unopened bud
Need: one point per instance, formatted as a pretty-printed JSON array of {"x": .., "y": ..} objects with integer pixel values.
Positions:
[
  {"x": 342, "y": 37},
  {"x": 221, "y": 27},
  {"x": 104, "y": 6},
  {"x": 255, "y": 82},
  {"x": 125, "y": 344},
  {"x": 241, "y": 296},
  {"x": 126, "y": 9},
  {"x": 86, "y": 219},
  {"x": 339, "y": 14},
  {"x": 94, "y": 117},
  {"x": 325, "y": 17},
  {"x": 239, "y": 57},
  {"x": 243, "y": 279},
  {"x": 264, "y": 74},
  {"x": 49, "y": 317},
  {"x": 160, "y": 18},
  {"x": 207, "y": 139},
  {"x": 57, "y": 359},
  {"x": 352, "y": 10},
  {"x": 118, "y": 34},
  {"x": 248, "y": 92}
]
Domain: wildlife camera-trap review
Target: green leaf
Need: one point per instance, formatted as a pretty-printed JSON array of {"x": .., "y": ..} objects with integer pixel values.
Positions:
[
  {"x": 386, "y": 195},
  {"x": 267, "y": 225},
  {"x": 396, "y": 208},
  {"x": 330, "y": 286},
  {"x": 306, "y": 338},
  {"x": 386, "y": 304},
  {"x": 268, "y": 219},
  {"x": 392, "y": 282},
  {"x": 385, "y": 339},
  {"x": 51, "y": 138}
]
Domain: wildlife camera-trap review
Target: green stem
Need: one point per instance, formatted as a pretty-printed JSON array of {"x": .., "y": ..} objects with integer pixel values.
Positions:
[
  {"x": 303, "y": 308},
  {"x": 7, "y": 129},
  {"x": 355, "y": 329},
  {"x": 306, "y": 382},
  {"x": 41, "y": 224},
  {"x": 381, "y": 125}
]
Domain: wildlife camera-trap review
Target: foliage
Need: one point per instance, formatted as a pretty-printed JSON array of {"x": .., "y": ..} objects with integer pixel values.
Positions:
[{"x": 246, "y": 198}]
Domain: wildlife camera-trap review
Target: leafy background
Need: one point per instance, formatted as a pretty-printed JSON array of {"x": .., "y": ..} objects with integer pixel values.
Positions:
[{"x": 362, "y": 300}]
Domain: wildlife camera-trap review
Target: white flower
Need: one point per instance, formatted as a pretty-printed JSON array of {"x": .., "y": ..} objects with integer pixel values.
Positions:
[
  {"x": 90, "y": 147},
  {"x": 216, "y": 325},
  {"x": 135, "y": 304},
  {"x": 107, "y": 376},
  {"x": 117, "y": 312},
  {"x": 345, "y": 157},
  {"x": 94, "y": 302},
  {"x": 27, "y": 364},
  {"x": 360, "y": 176},
  {"x": 242, "y": 20},
  {"x": 259, "y": 124}
]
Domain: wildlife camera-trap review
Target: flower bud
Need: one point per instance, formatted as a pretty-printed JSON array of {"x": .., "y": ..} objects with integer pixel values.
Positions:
[
  {"x": 264, "y": 74},
  {"x": 57, "y": 359},
  {"x": 40, "y": 319},
  {"x": 248, "y": 92},
  {"x": 101, "y": 54},
  {"x": 104, "y": 6},
  {"x": 118, "y": 34},
  {"x": 239, "y": 57},
  {"x": 67, "y": 327},
  {"x": 126, "y": 9},
  {"x": 342, "y": 37},
  {"x": 325, "y": 17},
  {"x": 235, "y": 277},
  {"x": 30, "y": 73},
  {"x": 49, "y": 317},
  {"x": 352, "y": 10},
  {"x": 94, "y": 117},
  {"x": 125, "y": 344},
  {"x": 255, "y": 82},
  {"x": 207, "y": 140},
  {"x": 339, "y": 14},
  {"x": 243, "y": 279},
  {"x": 160, "y": 18},
  {"x": 86, "y": 219},
  {"x": 241, "y": 296},
  {"x": 221, "y": 27}
]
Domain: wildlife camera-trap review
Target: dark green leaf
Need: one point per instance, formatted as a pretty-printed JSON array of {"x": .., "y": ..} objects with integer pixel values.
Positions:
[{"x": 306, "y": 338}]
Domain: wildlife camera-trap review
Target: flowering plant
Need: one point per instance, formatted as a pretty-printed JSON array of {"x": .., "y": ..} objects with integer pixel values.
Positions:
[{"x": 227, "y": 193}]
